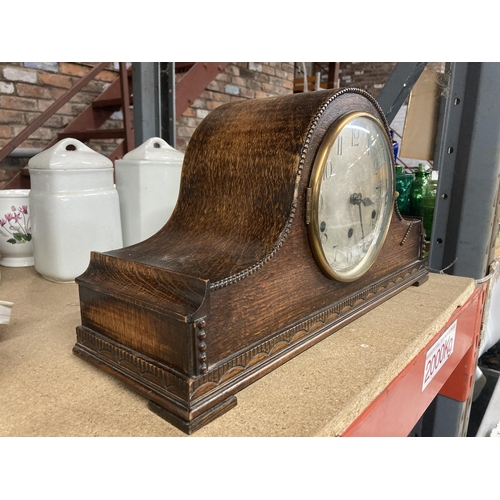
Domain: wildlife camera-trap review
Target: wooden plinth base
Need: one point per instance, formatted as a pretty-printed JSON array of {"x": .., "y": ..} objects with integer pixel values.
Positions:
[
  {"x": 197, "y": 423},
  {"x": 190, "y": 403}
]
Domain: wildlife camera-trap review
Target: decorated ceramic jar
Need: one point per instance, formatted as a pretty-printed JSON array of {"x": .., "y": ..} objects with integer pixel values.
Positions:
[{"x": 16, "y": 245}]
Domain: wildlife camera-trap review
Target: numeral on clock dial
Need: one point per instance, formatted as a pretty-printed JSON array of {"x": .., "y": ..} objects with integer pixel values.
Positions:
[{"x": 339, "y": 145}]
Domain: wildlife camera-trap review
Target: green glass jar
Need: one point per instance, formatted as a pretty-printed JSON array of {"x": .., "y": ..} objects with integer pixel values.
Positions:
[{"x": 403, "y": 187}]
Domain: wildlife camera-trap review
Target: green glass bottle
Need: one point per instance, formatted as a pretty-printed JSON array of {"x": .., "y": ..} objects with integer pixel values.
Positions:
[
  {"x": 403, "y": 187},
  {"x": 428, "y": 203},
  {"x": 423, "y": 198}
]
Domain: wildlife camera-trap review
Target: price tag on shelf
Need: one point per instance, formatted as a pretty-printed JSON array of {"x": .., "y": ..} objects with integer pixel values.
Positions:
[{"x": 438, "y": 354}]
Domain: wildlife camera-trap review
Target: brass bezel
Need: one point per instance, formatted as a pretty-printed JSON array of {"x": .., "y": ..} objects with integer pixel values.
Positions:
[{"x": 314, "y": 189}]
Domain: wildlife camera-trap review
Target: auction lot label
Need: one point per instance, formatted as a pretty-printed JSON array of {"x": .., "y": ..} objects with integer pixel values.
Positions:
[{"x": 438, "y": 354}]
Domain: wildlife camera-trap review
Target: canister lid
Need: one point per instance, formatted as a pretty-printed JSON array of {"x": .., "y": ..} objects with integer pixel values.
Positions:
[
  {"x": 69, "y": 154},
  {"x": 155, "y": 149}
]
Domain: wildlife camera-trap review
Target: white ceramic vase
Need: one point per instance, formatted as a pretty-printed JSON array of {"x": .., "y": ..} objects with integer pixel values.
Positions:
[{"x": 16, "y": 246}]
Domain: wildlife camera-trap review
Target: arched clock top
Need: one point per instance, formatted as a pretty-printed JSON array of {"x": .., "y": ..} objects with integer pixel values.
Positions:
[{"x": 241, "y": 182}]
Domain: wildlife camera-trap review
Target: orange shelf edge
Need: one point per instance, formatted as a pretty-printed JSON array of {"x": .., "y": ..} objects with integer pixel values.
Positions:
[{"x": 401, "y": 404}]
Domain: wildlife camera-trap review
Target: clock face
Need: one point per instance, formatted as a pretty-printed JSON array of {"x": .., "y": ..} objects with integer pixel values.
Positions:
[{"x": 351, "y": 196}]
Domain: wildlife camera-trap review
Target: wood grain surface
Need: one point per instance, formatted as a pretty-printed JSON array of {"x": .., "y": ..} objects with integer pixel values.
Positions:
[{"x": 229, "y": 289}]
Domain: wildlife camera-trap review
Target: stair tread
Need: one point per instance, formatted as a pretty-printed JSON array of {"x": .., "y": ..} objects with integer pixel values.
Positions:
[
  {"x": 113, "y": 133},
  {"x": 110, "y": 103},
  {"x": 183, "y": 67}
]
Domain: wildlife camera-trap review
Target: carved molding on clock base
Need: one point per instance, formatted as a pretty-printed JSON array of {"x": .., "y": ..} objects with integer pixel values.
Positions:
[
  {"x": 190, "y": 403},
  {"x": 422, "y": 280},
  {"x": 251, "y": 364},
  {"x": 146, "y": 376}
]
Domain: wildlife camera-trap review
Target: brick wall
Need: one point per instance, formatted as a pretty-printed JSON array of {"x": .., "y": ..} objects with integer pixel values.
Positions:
[
  {"x": 28, "y": 89},
  {"x": 238, "y": 81},
  {"x": 371, "y": 76},
  {"x": 255, "y": 80},
  {"x": 367, "y": 76}
]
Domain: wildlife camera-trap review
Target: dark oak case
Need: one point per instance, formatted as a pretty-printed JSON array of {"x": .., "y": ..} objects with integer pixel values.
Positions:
[{"x": 228, "y": 289}]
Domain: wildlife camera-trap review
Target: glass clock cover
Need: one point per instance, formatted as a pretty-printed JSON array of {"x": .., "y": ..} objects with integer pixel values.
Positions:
[{"x": 352, "y": 188}]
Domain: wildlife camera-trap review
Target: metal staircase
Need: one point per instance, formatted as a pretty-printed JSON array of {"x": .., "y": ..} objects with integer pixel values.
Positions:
[
  {"x": 118, "y": 96},
  {"x": 87, "y": 125}
]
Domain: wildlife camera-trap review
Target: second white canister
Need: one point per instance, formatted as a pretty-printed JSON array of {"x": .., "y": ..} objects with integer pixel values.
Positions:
[
  {"x": 148, "y": 180},
  {"x": 75, "y": 209}
]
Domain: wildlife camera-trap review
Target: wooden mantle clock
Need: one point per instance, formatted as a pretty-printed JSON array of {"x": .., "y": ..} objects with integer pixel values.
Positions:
[{"x": 284, "y": 231}]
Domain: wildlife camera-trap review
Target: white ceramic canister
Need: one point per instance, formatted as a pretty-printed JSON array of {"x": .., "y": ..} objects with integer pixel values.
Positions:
[
  {"x": 148, "y": 180},
  {"x": 75, "y": 209}
]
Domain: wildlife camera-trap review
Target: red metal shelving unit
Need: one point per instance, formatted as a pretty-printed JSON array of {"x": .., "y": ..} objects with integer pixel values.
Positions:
[{"x": 399, "y": 407}]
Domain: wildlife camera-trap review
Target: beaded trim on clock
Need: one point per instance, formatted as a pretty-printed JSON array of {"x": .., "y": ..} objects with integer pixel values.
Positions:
[{"x": 251, "y": 270}]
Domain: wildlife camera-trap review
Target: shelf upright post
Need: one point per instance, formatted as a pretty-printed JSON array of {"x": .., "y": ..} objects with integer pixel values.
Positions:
[
  {"x": 467, "y": 156},
  {"x": 154, "y": 101}
]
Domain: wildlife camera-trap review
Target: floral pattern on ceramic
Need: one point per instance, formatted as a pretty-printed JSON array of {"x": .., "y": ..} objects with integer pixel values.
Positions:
[
  {"x": 15, "y": 225},
  {"x": 16, "y": 236}
]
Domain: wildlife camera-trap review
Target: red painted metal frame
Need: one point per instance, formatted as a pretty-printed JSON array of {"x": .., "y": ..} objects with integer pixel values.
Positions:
[
  {"x": 399, "y": 407},
  {"x": 194, "y": 82},
  {"x": 53, "y": 108}
]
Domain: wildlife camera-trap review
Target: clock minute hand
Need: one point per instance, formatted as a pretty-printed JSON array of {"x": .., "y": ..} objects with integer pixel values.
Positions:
[{"x": 357, "y": 199}]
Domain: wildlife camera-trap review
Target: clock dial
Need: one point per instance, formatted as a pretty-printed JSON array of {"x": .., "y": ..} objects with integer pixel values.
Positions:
[{"x": 352, "y": 196}]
